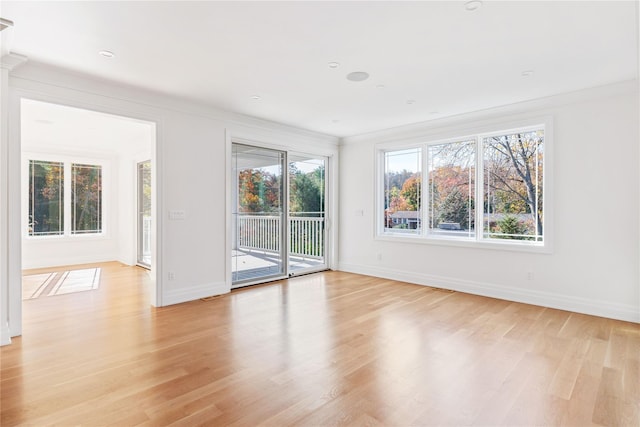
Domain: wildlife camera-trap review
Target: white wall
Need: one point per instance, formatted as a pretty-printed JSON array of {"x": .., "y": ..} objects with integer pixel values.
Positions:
[
  {"x": 594, "y": 264},
  {"x": 190, "y": 160}
]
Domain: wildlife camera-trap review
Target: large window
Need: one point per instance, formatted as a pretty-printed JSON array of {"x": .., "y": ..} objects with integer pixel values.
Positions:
[
  {"x": 483, "y": 188},
  {"x": 64, "y": 198}
]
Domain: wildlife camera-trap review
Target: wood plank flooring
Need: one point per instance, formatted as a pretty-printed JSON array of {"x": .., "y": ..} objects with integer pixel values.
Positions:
[{"x": 325, "y": 349}]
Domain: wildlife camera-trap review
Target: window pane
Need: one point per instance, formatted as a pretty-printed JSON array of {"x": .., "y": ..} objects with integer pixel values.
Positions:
[
  {"x": 513, "y": 167},
  {"x": 452, "y": 189},
  {"x": 402, "y": 187},
  {"x": 46, "y": 181},
  {"x": 86, "y": 199}
]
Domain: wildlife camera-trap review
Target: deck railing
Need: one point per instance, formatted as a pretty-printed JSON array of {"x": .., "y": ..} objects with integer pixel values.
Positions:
[
  {"x": 262, "y": 232},
  {"x": 146, "y": 236}
]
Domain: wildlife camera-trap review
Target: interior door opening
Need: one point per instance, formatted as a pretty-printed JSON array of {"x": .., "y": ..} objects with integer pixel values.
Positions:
[
  {"x": 77, "y": 200},
  {"x": 143, "y": 172}
]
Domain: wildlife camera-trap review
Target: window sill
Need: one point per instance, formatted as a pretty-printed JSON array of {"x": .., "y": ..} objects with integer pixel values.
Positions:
[
  {"x": 509, "y": 246},
  {"x": 68, "y": 237}
]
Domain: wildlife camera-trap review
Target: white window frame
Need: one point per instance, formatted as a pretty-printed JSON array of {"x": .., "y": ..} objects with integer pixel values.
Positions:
[
  {"x": 67, "y": 161},
  {"x": 477, "y": 133}
]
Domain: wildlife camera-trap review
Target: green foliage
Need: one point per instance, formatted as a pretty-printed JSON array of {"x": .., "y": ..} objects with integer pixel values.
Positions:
[
  {"x": 511, "y": 225},
  {"x": 46, "y": 198},
  {"x": 306, "y": 190},
  {"x": 455, "y": 208}
]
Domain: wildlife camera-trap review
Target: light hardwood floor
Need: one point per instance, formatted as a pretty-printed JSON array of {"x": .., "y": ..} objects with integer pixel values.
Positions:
[{"x": 325, "y": 349}]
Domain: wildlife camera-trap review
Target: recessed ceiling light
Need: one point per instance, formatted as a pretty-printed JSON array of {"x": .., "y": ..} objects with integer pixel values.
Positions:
[
  {"x": 335, "y": 121},
  {"x": 433, "y": 113},
  {"x": 411, "y": 101},
  {"x": 472, "y": 5},
  {"x": 256, "y": 97},
  {"x": 357, "y": 76},
  {"x": 106, "y": 53},
  {"x": 380, "y": 86},
  {"x": 333, "y": 65},
  {"x": 527, "y": 73}
]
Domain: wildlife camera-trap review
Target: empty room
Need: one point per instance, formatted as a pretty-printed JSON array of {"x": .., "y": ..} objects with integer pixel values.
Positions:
[{"x": 303, "y": 213}]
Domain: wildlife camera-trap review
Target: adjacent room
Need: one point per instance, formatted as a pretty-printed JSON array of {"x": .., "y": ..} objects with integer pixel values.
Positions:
[{"x": 320, "y": 213}]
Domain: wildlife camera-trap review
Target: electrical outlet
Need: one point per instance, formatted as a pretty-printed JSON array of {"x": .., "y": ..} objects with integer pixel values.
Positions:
[
  {"x": 379, "y": 256},
  {"x": 172, "y": 275},
  {"x": 530, "y": 275}
]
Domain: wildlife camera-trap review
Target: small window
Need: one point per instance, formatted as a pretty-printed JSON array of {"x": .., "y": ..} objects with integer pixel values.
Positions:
[
  {"x": 46, "y": 198},
  {"x": 402, "y": 190},
  {"x": 86, "y": 199},
  {"x": 64, "y": 198},
  {"x": 451, "y": 189}
]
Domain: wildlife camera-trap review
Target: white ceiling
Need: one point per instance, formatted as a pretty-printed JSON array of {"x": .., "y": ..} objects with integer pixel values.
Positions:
[
  {"x": 57, "y": 128},
  {"x": 449, "y": 60}
]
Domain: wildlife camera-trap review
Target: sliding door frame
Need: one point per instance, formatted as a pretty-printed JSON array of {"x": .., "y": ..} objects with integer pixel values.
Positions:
[
  {"x": 330, "y": 184},
  {"x": 283, "y": 237}
]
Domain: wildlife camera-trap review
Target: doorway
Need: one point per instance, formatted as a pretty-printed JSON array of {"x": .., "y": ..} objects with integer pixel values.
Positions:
[
  {"x": 143, "y": 172},
  {"x": 78, "y": 198},
  {"x": 278, "y": 214}
]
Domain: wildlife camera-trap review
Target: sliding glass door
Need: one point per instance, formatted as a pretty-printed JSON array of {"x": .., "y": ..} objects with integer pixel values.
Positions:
[
  {"x": 257, "y": 214},
  {"x": 307, "y": 215},
  {"x": 278, "y": 214}
]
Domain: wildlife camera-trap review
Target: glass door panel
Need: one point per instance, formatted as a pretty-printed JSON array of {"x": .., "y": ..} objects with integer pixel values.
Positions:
[
  {"x": 144, "y": 213},
  {"x": 307, "y": 228},
  {"x": 258, "y": 244}
]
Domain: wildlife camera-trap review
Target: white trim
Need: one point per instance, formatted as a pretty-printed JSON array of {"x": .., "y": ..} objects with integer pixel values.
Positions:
[
  {"x": 177, "y": 296},
  {"x": 12, "y": 60},
  {"x": 626, "y": 312},
  {"x": 5, "y": 333}
]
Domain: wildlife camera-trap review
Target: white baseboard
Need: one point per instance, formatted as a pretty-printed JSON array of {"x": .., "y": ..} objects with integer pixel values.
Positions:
[
  {"x": 177, "y": 296},
  {"x": 627, "y": 312},
  {"x": 56, "y": 262},
  {"x": 5, "y": 334}
]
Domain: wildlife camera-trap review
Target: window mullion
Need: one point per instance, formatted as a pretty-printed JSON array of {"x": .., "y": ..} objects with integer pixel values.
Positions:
[
  {"x": 67, "y": 198},
  {"x": 424, "y": 202},
  {"x": 479, "y": 228}
]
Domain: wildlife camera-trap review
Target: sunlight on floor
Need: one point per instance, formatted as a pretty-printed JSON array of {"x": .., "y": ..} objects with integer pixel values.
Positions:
[{"x": 64, "y": 282}]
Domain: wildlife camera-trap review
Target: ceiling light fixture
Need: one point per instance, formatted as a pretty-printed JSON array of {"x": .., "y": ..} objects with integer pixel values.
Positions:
[
  {"x": 358, "y": 76},
  {"x": 256, "y": 97},
  {"x": 380, "y": 87},
  {"x": 472, "y": 5},
  {"x": 527, "y": 73},
  {"x": 335, "y": 121},
  {"x": 433, "y": 113},
  {"x": 333, "y": 65},
  {"x": 106, "y": 53},
  {"x": 411, "y": 101},
  {"x": 5, "y": 23}
]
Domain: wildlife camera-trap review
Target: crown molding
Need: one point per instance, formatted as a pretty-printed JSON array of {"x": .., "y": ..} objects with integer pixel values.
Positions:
[{"x": 12, "y": 60}]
